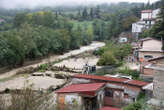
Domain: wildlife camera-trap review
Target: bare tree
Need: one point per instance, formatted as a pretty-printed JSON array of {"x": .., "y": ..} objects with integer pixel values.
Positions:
[{"x": 27, "y": 99}]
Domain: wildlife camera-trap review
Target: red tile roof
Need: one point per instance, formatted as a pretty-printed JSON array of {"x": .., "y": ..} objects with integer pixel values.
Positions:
[
  {"x": 110, "y": 108},
  {"x": 137, "y": 83},
  {"x": 111, "y": 79},
  {"x": 146, "y": 11},
  {"x": 77, "y": 88},
  {"x": 103, "y": 78}
]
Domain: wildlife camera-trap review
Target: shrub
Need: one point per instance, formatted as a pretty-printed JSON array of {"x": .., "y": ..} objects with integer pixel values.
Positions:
[
  {"x": 141, "y": 96},
  {"x": 113, "y": 54},
  {"x": 133, "y": 106},
  {"x": 107, "y": 59},
  {"x": 43, "y": 67},
  {"x": 99, "y": 51},
  {"x": 134, "y": 73}
]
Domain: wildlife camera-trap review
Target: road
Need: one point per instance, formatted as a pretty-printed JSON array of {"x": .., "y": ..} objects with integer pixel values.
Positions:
[{"x": 53, "y": 58}]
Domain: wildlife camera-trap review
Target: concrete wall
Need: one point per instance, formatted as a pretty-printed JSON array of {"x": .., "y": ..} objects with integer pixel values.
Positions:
[
  {"x": 158, "y": 90},
  {"x": 146, "y": 16},
  {"x": 154, "y": 54},
  {"x": 69, "y": 102},
  {"x": 148, "y": 71},
  {"x": 152, "y": 45},
  {"x": 137, "y": 27},
  {"x": 155, "y": 13}
]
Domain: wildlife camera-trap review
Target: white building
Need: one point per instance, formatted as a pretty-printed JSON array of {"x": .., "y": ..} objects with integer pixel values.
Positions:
[
  {"x": 155, "y": 13},
  {"x": 146, "y": 15},
  {"x": 123, "y": 40},
  {"x": 148, "y": 18}
]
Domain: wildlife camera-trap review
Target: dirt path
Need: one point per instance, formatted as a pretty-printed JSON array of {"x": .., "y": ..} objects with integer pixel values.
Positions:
[{"x": 83, "y": 49}]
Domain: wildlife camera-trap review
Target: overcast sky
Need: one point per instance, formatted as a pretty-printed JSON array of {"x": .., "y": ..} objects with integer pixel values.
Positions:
[{"x": 10, "y": 4}]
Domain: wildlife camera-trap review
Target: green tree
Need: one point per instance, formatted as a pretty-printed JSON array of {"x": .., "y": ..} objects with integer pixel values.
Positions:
[
  {"x": 127, "y": 22},
  {"x": 85, "y": 14},
  {"x": 158, "y": 29},
  {"x": 91, "y": 13},
  {"x": 19, "y": 19},
  {"x": 107, "y": 59}
]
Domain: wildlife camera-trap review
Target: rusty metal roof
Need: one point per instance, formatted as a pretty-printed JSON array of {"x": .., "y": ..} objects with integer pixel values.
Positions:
[
  {"x": 137, "y": 83},
  {"x": 78, "y": 88},
  {"x": 103, "y": 78},
  {"x": 146, "y": 11},
  {"x": 111, "y": 79}
]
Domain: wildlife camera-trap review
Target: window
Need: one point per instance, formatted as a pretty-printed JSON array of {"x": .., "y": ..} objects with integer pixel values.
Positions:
[
  {"x": 148, "y": 56},
  {"x": 109, "y": 93}
]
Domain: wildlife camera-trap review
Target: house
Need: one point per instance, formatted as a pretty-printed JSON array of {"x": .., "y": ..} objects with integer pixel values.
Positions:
[
  {"x": 81, "y": 96},
  {"x": 148, "y": 18},
  {"x": 150, "y": 48},
  {"x": 93, "y": 92},
  {"x": 123, "y": 40},
  {"x": 2, "y": 20},
  {"x": 147, "y": 52},
  {"x": 118, "y": 91},
  {"x": 148, "y": 70},
  {"x": 157, "y": 101},
  {"x": 124, "y": 37}
]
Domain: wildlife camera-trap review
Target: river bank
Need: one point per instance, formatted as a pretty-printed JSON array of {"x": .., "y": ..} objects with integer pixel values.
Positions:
[{"x": 53, "y": 58}]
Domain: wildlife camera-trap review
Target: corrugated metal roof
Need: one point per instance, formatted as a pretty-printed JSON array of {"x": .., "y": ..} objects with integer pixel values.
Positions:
[
  {"x": 103, "y": 78},
  {"x": 77, "y": 88},
  {"x": 110, "y": 108},
  {"x": 146, "y": 11},
  {"x": 111, "y": 79},
  {"x": 137, "y": 83}
]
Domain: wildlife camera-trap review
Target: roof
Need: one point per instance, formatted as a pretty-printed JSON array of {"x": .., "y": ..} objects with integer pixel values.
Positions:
[
  {"x": 146, "y": 11},
  {"x": 145, "y": 39},
  {"x": 148, "y": 47},
  {"x": 103, "y": 78},
  {"x": 78, "y": 88},
  {"x": 110, "y": 108},
  {"x": 137, "y": 83},
  {"x": 148, "y": 87},
  {"x": 111, "y": 79},
  {"x": 158, "y": 58}
]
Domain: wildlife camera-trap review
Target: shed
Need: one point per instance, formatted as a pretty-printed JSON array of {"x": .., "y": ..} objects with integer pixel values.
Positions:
[{"x": 81, "y": 96}]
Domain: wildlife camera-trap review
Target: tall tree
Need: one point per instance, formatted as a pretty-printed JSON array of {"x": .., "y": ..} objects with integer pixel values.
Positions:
[
  {"x": 158, "y": 29},
  {"x": 19, "y": 19},
  {"x": 85, "y": 13},
  {"x": 97, "y": 11},
  {"x": 91, "y": 13}
]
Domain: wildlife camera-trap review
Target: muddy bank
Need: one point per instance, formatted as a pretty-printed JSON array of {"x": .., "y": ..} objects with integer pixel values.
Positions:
[{"x": 25, "y": 69}]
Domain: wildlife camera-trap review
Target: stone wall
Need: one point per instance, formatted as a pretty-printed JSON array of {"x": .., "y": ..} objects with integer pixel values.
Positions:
[{"x": 158, "y": 91}]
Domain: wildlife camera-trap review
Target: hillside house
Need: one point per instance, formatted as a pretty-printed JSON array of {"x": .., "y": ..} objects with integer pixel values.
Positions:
[
  {"x": 148, "y": 18},
  {"x": 124, "y": 37},
  {"x": 150, "y": 48},
  {"x": 2, "y": 20},
  {"x": 148, "y": 70},
  {"x": 103, "y": 91},
  {"x": 81, "y": 96},
  {"x": 118, "y": 91},
  {"x": 157, "y": 101}
]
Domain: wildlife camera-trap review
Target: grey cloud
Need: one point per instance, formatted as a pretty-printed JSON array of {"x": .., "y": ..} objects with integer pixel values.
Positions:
[{"x": 10, "y": 4}]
